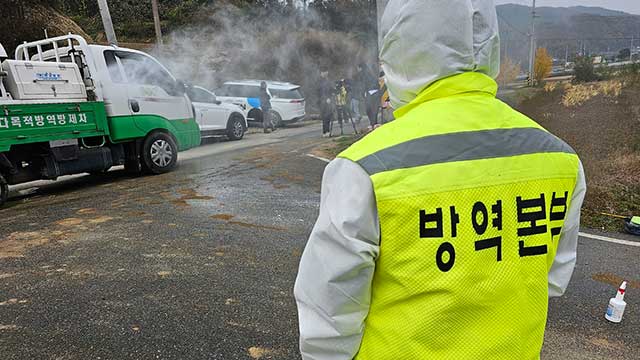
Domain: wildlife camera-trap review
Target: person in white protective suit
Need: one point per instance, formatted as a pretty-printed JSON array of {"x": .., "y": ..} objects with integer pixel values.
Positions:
[{"x": 441, "y": 235}]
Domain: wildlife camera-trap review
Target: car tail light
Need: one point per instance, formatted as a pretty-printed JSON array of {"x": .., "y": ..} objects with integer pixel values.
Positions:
[{"x": 297, "y": 101}]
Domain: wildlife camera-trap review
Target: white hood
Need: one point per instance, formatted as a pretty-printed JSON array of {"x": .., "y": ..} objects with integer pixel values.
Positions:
[{"x": 426, "y": 40}]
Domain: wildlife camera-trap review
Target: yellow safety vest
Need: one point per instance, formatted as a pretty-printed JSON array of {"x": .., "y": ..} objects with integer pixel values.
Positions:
[{"x": 472, "y": 198}]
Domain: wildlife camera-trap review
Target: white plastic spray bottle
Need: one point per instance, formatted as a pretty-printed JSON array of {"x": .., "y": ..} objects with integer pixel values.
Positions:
[{"x": 617, "y": 305}]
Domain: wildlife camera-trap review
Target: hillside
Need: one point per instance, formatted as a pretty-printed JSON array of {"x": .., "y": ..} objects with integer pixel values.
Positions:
[
  {"x": 30, "y": 22},
  {"x": 599, "y": 121},
  {"x": 561, "y": 29}
]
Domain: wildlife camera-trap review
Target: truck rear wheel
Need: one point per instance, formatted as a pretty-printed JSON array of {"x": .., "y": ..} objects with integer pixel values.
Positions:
[
  {"x": 4, "y": 191},
  {"x": 159, "y": 153}
]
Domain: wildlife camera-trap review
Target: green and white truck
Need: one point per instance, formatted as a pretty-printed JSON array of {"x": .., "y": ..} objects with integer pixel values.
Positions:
[{"x": 68, "y": 107}]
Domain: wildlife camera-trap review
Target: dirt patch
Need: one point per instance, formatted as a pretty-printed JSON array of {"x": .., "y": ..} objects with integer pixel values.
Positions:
[
  {"x": 283, "y": 179},
  {"x": 263, "y": 158},
  {"x": 257, "y": 352},
  {"x": 228, "y": 217},
  {"x": 17, "y": 243},
  {"x": 186, "y": 195},
  {"x": 100, "y": 219},
  {"x": 13, "y": 302},
  {"x": 70, "y": 222},
  {"x": 601, "y": 342},
  {"x": 231, "y": 301},
  {"x": 86, "y": 211},
  {"x": 601, "y": 121},
  {"x": 331, "y": 149},
  {"x": 191, "y": 194},
  {"x": 225, "y": 217},
  {"x": 615, "y": 280},
  {"x": 255, "y": 226},
  {"x": 137, "y": 213}
]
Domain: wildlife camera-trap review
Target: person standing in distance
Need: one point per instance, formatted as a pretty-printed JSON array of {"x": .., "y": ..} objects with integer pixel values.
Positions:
[
  {"x": 325, "y": 102},
  {"x": 265, "y": 106},
  {"x": 442, "y": 234}
]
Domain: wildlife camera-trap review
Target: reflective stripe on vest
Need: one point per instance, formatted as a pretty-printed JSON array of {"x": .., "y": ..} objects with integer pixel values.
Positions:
[{"x": 470, "y": 215}]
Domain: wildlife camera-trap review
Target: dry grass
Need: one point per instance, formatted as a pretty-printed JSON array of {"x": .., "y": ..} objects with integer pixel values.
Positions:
[
  {"x": 601, "y": 122},
  {"x": 331, "y": 149},
  {"x": 509, "y": 72},
  {"x": 576, "y": 95},
  {"x": 551, "y": 86}
]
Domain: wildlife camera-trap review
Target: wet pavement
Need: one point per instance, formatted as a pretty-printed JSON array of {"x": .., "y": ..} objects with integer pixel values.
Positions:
[{"x": 200, "y": 263}]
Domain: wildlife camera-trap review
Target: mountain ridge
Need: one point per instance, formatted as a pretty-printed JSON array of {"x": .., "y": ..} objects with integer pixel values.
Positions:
[{"x": 566, "y": 30}]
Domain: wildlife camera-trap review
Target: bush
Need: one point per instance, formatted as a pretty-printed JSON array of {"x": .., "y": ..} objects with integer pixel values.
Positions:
[
  {"x": 543, "y": 65},
  {"x": 584, "y": 70},
  {"x": 509, "y": 72}
]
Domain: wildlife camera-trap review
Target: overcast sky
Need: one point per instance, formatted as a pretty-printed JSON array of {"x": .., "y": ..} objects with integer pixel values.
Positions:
[{"x": 630, "y": 6}]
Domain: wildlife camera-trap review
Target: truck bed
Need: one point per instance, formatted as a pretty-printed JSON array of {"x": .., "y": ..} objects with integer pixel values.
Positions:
[{"x": 31, "y": 123}]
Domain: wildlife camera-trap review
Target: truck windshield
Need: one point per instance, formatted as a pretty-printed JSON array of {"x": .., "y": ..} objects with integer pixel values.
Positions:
[{"x": 142, "y": 70}]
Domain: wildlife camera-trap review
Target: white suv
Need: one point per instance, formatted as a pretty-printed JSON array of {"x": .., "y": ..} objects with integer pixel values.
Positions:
[
  {"x": 216, "y": 118},
  {"x": 287, "y": 100}
]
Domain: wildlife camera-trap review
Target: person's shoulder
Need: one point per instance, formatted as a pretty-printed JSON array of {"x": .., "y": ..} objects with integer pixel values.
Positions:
[{"x": 374, "y": 141}]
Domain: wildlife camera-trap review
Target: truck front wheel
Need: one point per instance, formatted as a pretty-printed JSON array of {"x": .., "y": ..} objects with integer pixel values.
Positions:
[
  {"x": 159, "y": 153},
  {"x": 4, "y": 191}
]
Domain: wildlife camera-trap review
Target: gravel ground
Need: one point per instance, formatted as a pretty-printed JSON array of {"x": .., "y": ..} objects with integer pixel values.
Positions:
[{"x": 200, "y": 263}]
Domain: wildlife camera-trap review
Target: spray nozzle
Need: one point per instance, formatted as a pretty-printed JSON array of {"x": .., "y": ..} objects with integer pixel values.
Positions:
[{"x": 621, "y": 291}]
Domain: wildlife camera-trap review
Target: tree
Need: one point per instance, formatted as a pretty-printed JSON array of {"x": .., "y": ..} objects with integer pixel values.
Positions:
[
  {"x": 584, "y": 70},
  {"x": 543, "y": 65},
  {"x": 509, "y": 72},
  {"x": 624, "y": 54}
]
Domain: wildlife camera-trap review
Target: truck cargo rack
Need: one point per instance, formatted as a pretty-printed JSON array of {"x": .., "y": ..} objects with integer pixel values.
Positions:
[{"x": 23, "y": 51}]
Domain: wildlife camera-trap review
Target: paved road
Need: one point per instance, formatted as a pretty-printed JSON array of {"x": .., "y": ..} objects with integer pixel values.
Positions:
[{"x": 200, "y": 263}]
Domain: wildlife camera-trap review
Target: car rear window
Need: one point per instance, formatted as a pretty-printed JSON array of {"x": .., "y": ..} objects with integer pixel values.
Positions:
[{"x": 287, "y": 94}]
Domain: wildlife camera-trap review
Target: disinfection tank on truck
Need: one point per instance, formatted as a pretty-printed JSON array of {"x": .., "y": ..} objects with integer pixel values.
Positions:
[{"x": 67, "y": 107}]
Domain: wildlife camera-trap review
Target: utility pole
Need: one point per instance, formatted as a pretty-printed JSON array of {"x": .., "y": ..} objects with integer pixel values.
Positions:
[
  {"x": 631, "y": 49},
  {"x": 532, "y": 43},
  {"x": 381, "y": 5},
  {"x": 156, "y": 21},
  {"x": 506, "y": 44},
  {"x": 107, "y": 23},
  {"x": 566, "y": 56}
]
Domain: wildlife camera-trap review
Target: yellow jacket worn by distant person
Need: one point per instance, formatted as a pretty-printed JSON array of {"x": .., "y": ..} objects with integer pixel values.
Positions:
[
  {"x": 341, "y": 96},
  {"x": 441, "y": 235}
]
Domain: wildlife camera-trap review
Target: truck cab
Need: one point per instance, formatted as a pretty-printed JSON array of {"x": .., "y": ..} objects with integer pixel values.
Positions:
[{"x": 68, "y": 107}]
